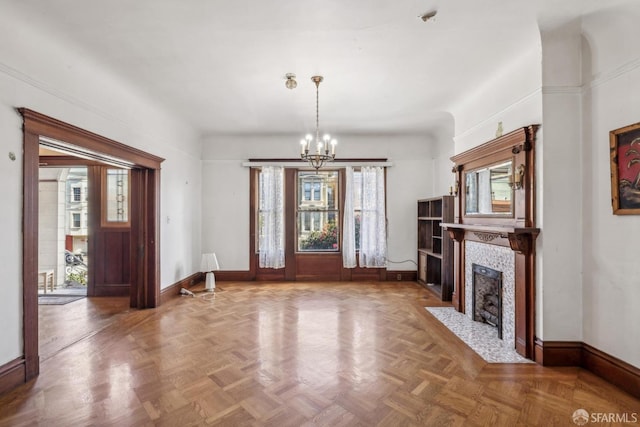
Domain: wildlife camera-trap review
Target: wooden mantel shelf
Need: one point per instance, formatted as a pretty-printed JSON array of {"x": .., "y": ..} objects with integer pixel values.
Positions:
[{"x": 521, "y": 239}]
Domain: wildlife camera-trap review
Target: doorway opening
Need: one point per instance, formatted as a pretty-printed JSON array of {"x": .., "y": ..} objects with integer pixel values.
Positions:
[
  {"x": 63, "y": 234},
  {"x": 142, "y": 271}
]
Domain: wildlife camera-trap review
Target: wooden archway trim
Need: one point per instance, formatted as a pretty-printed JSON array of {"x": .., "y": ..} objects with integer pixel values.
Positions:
[
  {"x": 145, "y": 215},
  {"x": 40, "y": 124}
]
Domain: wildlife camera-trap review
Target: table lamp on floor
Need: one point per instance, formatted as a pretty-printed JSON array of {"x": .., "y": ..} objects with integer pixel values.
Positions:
[{"x": 208, "y": 265}]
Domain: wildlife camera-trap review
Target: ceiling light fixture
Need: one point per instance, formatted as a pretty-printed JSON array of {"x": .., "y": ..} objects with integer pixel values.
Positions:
[
  {"x": 322, "y": 155},
  {"x": 291, "y": 82}
]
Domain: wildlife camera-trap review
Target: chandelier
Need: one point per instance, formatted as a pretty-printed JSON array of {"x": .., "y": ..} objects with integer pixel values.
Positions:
[{"x": 322, "y": 152}]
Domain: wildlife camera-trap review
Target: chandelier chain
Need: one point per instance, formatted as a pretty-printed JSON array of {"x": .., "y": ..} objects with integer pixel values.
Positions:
[{"x": 317, "y": 112}]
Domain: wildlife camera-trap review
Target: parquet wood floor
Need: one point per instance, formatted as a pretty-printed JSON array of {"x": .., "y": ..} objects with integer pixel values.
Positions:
[
  {"x": 60, "y": 326},
  {"x": 296, "y": 354}
]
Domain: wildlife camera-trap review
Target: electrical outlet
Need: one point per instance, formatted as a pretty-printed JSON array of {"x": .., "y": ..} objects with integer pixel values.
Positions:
[{"x": 399, "y": 277}]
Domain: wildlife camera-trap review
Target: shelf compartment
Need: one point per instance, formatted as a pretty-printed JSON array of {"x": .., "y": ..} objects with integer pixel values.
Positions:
[
  {"x": 430, "y": 252},
  {"x": 437, "y": 246},
  {"x": 436, "y": 208},
  {"x": 436, "y": 230}
]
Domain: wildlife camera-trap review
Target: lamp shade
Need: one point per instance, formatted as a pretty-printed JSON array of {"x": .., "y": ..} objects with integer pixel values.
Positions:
[{"x": 209, "y": 263}]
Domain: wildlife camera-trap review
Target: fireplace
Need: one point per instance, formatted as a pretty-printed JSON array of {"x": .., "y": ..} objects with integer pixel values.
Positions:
[
  {"x": 487, "y": 296},
  {"x": 504, "y": 241}
]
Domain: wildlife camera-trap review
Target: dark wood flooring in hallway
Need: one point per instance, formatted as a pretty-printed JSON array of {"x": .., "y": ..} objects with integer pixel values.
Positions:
[{"x": 294, "y": 354}]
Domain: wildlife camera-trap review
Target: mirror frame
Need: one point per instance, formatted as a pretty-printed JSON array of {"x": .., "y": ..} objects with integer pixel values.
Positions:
[{"x": 517, "y": 147}]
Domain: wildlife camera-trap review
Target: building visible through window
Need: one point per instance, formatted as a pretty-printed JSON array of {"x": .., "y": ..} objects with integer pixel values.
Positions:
[{"x": 317, "y": 210}]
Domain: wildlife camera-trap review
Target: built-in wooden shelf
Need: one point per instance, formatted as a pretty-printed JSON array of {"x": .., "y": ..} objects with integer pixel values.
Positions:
[{"x": 435, "y": 248}]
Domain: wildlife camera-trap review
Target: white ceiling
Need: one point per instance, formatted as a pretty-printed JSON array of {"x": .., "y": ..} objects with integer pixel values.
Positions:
[{"x": 220, "y": 65}]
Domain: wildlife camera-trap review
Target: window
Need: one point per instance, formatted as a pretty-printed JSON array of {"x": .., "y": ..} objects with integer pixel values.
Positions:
[
  {"x": 312, "y": 189},
  {"x": 317, "y": 211},
  {"x": 76, "y": 195},
  {"x": 75, "y": 220},
  {"x": 115, "y": 197}
]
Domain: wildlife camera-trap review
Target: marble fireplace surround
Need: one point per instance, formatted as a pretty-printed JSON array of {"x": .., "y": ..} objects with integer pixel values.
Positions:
[
  {"x": 501, "y": 259},
  {"x": 510, "y": 250}
]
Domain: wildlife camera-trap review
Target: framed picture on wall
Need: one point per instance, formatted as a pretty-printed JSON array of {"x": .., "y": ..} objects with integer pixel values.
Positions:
[{"x": 624, "y": 146}]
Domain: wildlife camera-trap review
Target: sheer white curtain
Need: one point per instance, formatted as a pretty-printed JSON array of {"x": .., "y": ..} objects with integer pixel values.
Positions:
[
  {"x": 271, "y": 221},
  {"x": 373, "y": 235},
  {"x": 348, "y": 223}
]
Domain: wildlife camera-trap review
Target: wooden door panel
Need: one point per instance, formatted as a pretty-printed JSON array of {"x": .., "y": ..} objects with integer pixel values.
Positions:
[
  {"x": 111, "y": 262},
  {"x": 116, "y": 257},
  {"x": 109, "y": 247}
]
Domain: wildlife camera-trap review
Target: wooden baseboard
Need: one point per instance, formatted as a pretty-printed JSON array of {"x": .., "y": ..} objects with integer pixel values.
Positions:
[
  {"x": 174, "y": 290},
  {"x": 401, "y": 276},
  {"x": 12, "y": 374},
  {"x": 612, "y": 369},
  {"x": 558, "y": 353},
  {"x": 234, "y": 276},
  {"x": 574, "y": 353},
  {"x": 389, "y": 276}
]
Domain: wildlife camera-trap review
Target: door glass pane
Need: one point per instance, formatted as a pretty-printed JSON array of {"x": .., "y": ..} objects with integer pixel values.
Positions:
[{"x": 117, "y": 195}]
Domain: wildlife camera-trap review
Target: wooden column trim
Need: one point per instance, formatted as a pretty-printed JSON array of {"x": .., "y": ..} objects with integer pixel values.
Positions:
[
  {"x": 290, "y": 218},
  {"x": 30, "y": 254}
]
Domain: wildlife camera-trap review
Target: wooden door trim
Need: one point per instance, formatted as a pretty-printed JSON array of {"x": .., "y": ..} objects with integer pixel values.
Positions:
[
  {"x": 42, "y": 125},
  {"x": 36, "y": 125}
]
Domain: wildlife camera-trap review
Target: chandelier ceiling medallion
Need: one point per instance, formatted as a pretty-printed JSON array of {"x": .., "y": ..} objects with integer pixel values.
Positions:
[{"x": 322, "y": 152}]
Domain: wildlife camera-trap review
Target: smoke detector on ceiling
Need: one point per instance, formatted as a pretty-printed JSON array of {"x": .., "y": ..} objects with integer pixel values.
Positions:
[{"x": 429, "y": 15}]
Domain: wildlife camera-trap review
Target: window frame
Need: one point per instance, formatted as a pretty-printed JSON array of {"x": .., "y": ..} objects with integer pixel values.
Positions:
[
  {"x": 76, "y": 190},
  {"x": 75, "y": 215}
]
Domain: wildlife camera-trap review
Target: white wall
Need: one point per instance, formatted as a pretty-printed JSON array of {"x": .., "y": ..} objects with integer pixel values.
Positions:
[
  {"x": 40, "y": 73},
  {"x": 611, "y": 283},
  {"x": 444, "y": 149},
  {"x": 225, "y": 188},
  {"x": 560, "y": 266},
  {"x": 511, "y": 96}
]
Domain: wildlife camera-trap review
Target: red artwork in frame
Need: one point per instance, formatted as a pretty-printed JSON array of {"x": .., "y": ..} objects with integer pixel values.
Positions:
[{"x": 624, "y": 146}]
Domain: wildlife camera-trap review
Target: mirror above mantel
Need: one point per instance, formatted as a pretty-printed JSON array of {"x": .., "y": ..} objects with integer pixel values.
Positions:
[
  {"x": 497, "y": 182},
  {"x": 489, "y": 190}
]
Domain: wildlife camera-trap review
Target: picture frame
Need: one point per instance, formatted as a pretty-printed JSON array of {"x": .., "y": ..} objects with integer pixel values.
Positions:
[{"x": 624, "y": 148}]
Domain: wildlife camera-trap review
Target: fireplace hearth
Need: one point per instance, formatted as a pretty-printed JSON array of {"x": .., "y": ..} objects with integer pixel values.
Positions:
[{"x": 487, "y": 296}]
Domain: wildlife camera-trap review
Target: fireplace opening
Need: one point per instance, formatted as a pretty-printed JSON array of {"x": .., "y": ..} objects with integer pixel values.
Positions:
[{"x": 487, "y": 296}]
